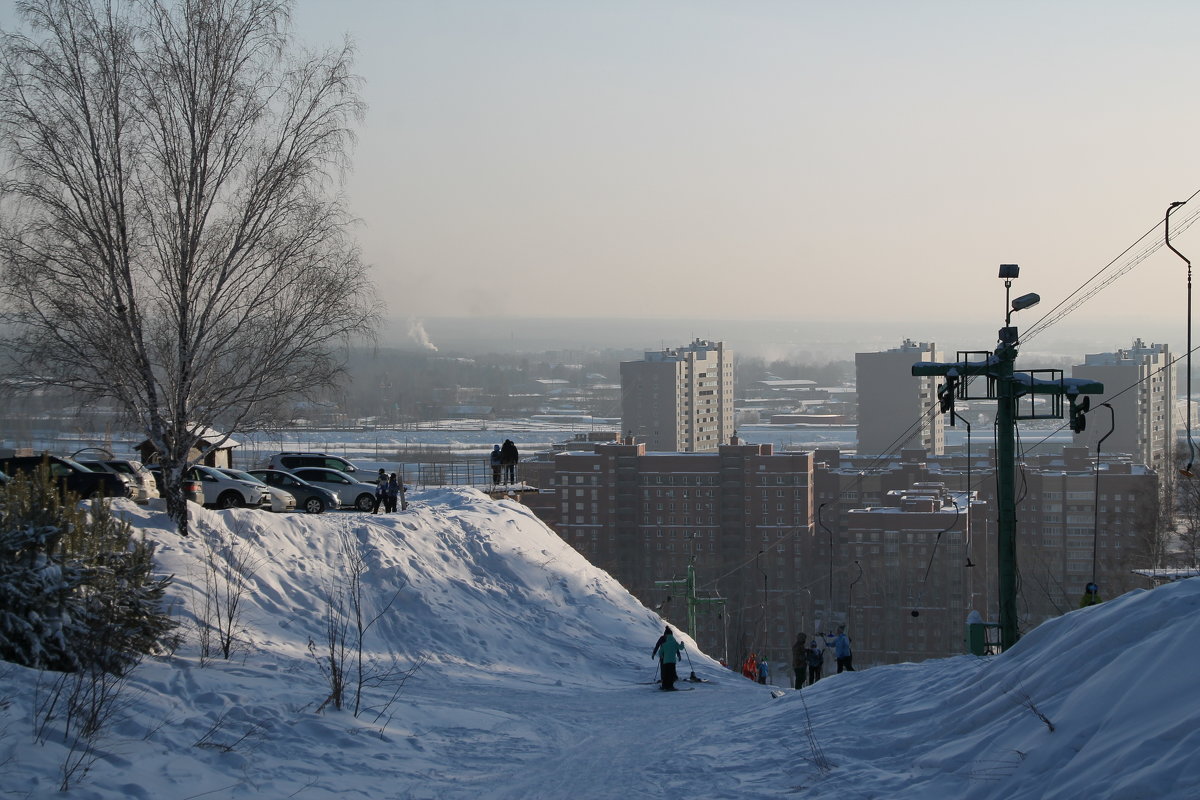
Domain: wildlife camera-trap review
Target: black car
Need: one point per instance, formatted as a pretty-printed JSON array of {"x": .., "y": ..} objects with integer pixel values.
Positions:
[
  {"x": 313, "y": 499},
  {"x": 71, "y": 475}
]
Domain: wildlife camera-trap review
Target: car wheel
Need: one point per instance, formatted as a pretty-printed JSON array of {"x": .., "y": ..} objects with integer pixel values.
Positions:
[
  {"x": 365, "y": 502},
  {"x": 229, "y": 500},
  {"x": 314, "y": 505}
]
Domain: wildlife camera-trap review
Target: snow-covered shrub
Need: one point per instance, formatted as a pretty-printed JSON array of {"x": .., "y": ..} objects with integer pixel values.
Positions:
[{"x": 76, "y": 589}]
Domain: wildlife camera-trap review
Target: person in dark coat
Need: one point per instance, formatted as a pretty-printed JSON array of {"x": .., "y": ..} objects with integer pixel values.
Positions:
[
  {"x": 496, "y": 463},
  {"x": 815, "y": 656},
  {"x": 667, "y": 648},
  {"x": 393, "y": 492},
  {"x": 799, "y": 660},
  {"x": 380, "y": 491},
  {"x": 508, "y": 459}
]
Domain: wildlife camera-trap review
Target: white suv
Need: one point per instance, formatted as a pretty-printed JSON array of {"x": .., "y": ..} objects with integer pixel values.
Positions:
[
  {"x": 222, "y": 491},
  {"x": 291, "y": 461}
]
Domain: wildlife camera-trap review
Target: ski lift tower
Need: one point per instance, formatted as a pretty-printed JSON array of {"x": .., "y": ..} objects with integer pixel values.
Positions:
[{"x": 1016, "y": 393}]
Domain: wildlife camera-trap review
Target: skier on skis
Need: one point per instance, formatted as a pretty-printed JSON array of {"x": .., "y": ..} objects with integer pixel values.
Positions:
[{"x": 667, "y": 648}]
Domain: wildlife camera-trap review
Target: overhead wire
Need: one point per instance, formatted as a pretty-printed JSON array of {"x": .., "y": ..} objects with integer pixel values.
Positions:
[{"x": 1110, "y": 272}]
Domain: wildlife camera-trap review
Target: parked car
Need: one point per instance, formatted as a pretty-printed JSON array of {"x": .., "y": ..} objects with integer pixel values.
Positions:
[
  {"x": 354, "y": 493},
  {"x": 281, "y": 499},
  {"x": 72, "y": 475},
  {"x": 223, "y": 491},
  {"x": 139, "y": 473},
  {"x": 141, "y": 492},
  {"x": 193, "y": 491},
  {"x": 309, "y": 497},
  {"x": 291, "y": 461}
]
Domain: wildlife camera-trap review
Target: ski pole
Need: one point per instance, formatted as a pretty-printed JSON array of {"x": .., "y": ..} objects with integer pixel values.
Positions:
[{"x": 690, "y": 667}]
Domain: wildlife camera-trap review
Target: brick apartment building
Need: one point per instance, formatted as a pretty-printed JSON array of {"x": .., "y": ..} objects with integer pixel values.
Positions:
[
  {"x": 913, "y": 534},
  {"x": 1058, "y": 519},
  {"x": 742, "y": 515}
]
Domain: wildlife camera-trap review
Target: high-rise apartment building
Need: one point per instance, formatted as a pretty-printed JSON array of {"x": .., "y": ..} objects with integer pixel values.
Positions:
[
  {"x": 740, "y": 515},
  {"x": 895, "y": 408},
  {"x": 1139, "y": 382},
  {"x": 681, "y": 399}
]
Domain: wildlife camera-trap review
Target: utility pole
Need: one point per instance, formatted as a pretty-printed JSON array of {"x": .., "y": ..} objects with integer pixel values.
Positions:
[{"x": 1010, "y": 387}]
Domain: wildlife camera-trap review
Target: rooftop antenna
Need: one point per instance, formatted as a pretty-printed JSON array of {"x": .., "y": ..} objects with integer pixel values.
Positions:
[{"x": 1186, "y": 471}]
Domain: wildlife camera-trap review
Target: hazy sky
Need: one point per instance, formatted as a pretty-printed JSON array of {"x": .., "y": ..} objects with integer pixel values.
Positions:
[{"x": 790, "y": 160}]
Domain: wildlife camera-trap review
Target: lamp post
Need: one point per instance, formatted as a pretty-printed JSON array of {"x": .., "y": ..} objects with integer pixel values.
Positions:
[
  {"x": 829, "y": 600},
  {"x": 1112, "y": 424},
  {"x": 1187, "y": 390},
  {"x": 758, "y": 561}
]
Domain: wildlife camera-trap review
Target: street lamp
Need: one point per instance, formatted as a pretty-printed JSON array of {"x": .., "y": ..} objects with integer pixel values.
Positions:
[
  {"x": 829, "y": 602},
  {"x": 758, "y": 561},
  {"x": 1112, "y": 425},
  {"x": 1187, "y": 389}
]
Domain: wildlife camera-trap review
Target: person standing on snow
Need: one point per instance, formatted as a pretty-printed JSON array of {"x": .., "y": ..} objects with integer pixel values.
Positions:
[
  {"x": 508, "y": 459},
  {"x": 393, "y": 492},
  {"x": 380, "y": 491},
  {"x": 667, "y": 648},
  {"x": 841, "y": 650},
  {"x": 799, "y": 660},
  {"x": 495, "y": 460},
  {"x": 750, "y": 667},
  {"x": 815, "y": 658},
  {"x": 763, "y": 672},
  {"x": 1091, "y": 596}
]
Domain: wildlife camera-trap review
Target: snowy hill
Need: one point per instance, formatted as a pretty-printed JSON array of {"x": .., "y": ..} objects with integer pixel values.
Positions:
[{"x": 503, "y": 665}]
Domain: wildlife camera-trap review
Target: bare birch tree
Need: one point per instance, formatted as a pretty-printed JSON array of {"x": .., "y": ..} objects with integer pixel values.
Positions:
[{"x": 173, "y": 234}]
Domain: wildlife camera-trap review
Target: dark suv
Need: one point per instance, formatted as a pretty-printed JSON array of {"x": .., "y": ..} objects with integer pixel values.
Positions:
[{"x": 71, "y": 475}]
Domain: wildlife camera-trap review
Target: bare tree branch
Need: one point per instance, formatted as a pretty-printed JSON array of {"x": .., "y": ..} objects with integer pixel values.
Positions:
[{"x": 172, "y": 233}]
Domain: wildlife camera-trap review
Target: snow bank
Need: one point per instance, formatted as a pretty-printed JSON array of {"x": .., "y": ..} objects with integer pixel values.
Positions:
[{"x": 533, "y": 679}]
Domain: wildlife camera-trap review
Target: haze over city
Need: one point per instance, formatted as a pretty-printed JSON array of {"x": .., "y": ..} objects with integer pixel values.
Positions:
[{"x": 865, "y": 162}]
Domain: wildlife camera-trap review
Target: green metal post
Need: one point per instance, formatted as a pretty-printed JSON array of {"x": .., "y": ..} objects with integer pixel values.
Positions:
[
  {"x": 1006, "y": 446},
  {"x": 691, "y": 598}
]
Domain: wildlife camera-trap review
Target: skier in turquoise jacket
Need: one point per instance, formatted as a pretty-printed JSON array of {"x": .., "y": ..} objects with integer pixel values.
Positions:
[{"x": 667, "y": 649}]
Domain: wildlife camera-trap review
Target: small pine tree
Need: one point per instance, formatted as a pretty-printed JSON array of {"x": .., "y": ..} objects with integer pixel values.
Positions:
[{"x": 76, "y": 589}]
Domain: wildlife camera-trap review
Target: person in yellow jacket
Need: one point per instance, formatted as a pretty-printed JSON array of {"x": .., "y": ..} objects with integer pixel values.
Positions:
[{"x": 1091, "y": 596}]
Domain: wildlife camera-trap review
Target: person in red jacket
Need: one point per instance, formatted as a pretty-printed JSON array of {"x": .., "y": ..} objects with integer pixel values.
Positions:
[{"x": 750, "y": 667}]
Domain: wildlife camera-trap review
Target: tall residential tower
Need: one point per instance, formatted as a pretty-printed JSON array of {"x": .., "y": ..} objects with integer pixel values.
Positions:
[
  {"x": 896, "y": 409},
  {"x": 681, "y": 399},
  {"x": 1141, "y": 390}
]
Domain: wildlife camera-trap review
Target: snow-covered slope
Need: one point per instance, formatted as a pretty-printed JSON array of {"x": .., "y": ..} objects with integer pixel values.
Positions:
[{"x": 530, "y": 677}]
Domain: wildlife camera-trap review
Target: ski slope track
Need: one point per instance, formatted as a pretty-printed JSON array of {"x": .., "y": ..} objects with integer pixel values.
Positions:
[{"x": 530, "y": 674}]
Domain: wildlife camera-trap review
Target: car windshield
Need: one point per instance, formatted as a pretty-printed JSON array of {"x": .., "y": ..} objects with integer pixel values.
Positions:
[
  {"x": 244, "y": 476},
  {"x": 121, "y": 466},
  {"x": 329, "y": 476}
]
